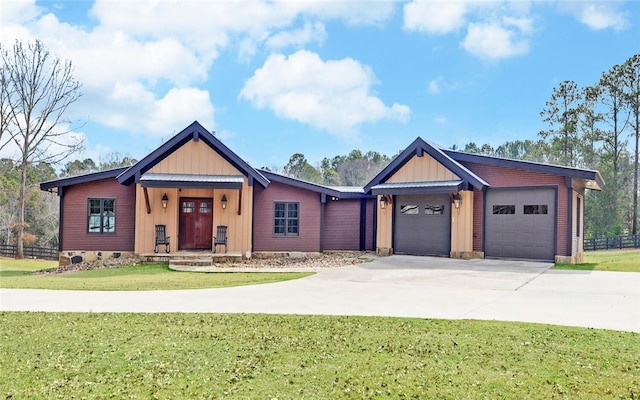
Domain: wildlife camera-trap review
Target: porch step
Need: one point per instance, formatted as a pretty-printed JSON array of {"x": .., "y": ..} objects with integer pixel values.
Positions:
[
  {"x": 182, "y": 259},
  {"x": 193, "y": 262}
]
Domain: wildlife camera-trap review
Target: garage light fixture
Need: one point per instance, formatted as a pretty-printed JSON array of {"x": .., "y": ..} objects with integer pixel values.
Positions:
[
  {"x": 383, "y": 202},
  {"x": 457, "y": 201}
]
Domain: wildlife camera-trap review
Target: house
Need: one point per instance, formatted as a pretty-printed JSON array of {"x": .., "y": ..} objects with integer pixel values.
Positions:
[{"x": 427, "y": 201}]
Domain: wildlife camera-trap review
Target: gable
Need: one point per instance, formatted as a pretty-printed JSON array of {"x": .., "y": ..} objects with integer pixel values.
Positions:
[
  {"x": 422, "y": 169},
  {"x": 195, "y": 158}
]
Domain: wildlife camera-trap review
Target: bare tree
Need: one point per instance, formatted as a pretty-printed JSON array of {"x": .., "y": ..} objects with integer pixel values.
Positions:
[{"x": 40, "y": 89}]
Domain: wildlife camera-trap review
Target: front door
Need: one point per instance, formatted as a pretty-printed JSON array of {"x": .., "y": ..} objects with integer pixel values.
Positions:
[{"x": 196, "y": 224}]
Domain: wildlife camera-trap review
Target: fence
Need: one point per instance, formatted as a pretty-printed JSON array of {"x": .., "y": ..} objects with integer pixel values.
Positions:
[
  {"x": 612, "y": 242},
  {"x": 46, "y": 253}
]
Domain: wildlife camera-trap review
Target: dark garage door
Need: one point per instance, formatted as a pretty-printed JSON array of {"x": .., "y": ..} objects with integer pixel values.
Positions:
[
  {"x": 520, "y": 223},
  {"x": 422, "y": 225}
]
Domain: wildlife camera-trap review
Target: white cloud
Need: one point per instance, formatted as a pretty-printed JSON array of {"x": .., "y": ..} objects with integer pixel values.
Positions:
[
  {"x": 298, "y": 38},
  {"x": 434, "y": 85},
  {"x": 602, "y": 15},
  {"x": 494, "y": 41},
  {"x": 333, "y": 95},
  {"x": 441, "y": 119},
  {"x": 434, "y": 16}
]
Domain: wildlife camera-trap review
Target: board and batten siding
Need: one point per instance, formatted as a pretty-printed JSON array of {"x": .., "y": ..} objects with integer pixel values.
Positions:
[
  {"x": 264, "y": 238},
  {"x": 422, "y": 169},
  {"x": 74, "y": 213},
  {"x": 503, "y": 177}
]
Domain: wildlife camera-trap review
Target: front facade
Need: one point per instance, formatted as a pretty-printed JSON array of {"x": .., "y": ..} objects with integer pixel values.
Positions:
[{"x": 427, "y": 201}]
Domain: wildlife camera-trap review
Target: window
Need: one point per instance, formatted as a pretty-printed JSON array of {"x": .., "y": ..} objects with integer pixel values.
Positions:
[
  {"x": 434, "y": 210},
  {"x": 409, "y": 210},
  {"x": 205, "y": 207},
  {"x": 188, "y": 207},
  {"x": 101, "y": 216},
  {"x": 535, "y": 209},
  {"x": 286, "y": 219},
  {"x": 507, "y": 209}
]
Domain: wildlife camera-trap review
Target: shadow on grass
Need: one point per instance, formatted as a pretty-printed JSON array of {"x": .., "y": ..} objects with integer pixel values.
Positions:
[{"x": 577, "y": 267}]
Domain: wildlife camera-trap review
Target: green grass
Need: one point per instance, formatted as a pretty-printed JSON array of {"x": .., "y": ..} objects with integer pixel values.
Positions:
[
  {"x": 607, "y": 260},
  {"x": 125, "y": 356},
  {"x": 18, "y": 274}
]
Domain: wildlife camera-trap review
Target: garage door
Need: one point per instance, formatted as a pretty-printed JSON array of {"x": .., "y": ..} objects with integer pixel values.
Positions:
[
  {"x": 520, "y": 224},
  {"x": 422, "y": 225}
]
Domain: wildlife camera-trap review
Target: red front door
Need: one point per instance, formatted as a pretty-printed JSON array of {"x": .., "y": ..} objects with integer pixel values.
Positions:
[{"x": 196, "y": 224}]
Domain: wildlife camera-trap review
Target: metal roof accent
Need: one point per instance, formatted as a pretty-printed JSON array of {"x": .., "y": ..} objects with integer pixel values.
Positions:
[
  {"x": 192, "y": 181},
  {"x": 434, "y": 187}
]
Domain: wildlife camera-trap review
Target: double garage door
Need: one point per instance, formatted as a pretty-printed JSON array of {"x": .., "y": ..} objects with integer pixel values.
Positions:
[
  {"x": 422, "y": 225},
  {"x": 520, "y": 223}
]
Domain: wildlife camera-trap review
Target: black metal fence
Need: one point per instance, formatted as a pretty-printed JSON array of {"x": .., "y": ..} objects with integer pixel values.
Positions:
[
  {"x": 45, "y": 253},
  {"x": 612, "y": 242}
]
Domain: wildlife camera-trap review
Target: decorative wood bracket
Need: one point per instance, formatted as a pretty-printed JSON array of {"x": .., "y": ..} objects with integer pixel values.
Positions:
[{"x": 146, "y": 200}]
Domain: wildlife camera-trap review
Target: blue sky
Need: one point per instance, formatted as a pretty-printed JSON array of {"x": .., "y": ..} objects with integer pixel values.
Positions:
[{"x": 321, "y": 78}]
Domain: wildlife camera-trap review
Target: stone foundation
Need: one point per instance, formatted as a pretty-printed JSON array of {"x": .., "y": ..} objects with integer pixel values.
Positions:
[
  {"x": 74, "y": 257},
  {"x": 466, "y": 255},
  {"x": 384, "y": 251},
  {"x": 574, "y": 259}
]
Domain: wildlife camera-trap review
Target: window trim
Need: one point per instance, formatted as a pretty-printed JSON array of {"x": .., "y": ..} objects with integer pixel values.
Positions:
[
  {"x": 102, "y": 201},
  {"x": 286, "y": 219}
]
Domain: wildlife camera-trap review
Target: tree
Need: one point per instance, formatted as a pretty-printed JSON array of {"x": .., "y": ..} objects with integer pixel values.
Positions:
[
  {"x": 631, "y": 89},
  {"x": 299, "y": 168},
  {"x": 39, "y": 89},
  {"x": 562, "y": 115}
]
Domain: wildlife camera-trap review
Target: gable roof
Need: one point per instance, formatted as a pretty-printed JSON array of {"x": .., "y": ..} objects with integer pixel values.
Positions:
[
  {"x": 56, "y": 185},
  {"x": 419, "y": 146},
  {"x": 592, "y": 179},
  {"x": 339, "y": 192},
  {"x": 194, "y": 132}
]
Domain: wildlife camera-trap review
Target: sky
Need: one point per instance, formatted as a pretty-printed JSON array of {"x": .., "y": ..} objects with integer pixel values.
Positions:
[{"x": 274, "y": 78}]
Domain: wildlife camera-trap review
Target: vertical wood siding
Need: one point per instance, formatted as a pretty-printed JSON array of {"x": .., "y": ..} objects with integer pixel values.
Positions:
[
  {"x": 510, "y": 177},
  {"x": 263, "y": 219},
  {"x": 342, "y": 225},
  {"x": 424, "y": 168},
  {"x": 74, "y": 226}
]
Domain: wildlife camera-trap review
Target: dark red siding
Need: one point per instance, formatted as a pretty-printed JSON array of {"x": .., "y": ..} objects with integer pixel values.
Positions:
[
  {"x": 342, "y": 224},
  {"x": 74, "y": 217},
  {"x": 510, "y": 177},
  {"x": 263, "y": 209}
]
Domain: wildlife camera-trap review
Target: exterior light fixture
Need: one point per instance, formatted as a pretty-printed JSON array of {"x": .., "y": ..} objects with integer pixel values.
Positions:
[
  {"x": 457, "y": 201},
  {"x": 165, "y": 200},
  {"x": 383, "y": 202},
  {"x": 224, "y": 202}
]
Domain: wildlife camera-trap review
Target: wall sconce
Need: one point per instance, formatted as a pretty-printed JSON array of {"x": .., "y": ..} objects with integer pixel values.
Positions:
[
  {"x": 165, "y": 200},
  {"x": 224, "y": 202},
  {"x": 457, "y": 201},
  {"x": 383, "y": 202}
]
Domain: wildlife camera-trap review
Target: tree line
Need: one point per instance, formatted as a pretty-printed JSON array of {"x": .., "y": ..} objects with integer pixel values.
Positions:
[{"x": 595, "y": 127}]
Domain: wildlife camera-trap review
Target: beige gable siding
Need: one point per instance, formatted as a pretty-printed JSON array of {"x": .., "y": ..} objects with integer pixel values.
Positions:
[
  {"x": 422, "y": 169},
  {"x": 195, "y": 158}
]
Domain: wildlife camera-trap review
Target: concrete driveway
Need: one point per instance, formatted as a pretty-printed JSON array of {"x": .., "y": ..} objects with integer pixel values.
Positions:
[{"x": 402, "y": 286}]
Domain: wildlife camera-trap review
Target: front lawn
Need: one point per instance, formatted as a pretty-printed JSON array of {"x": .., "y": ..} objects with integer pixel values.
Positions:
[
  {"x": 67, "y": 355},
  {"x": 18, "y": 274},
  {"x": 607, "y": 260}
]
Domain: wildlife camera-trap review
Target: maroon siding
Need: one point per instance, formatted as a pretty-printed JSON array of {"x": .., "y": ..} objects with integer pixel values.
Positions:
[
  {"x": 342, "y": 225},
  {"x": 74, "y": 218},
  {"x": 263, "y": 208},
  {"x": 510, "y": 177}
]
